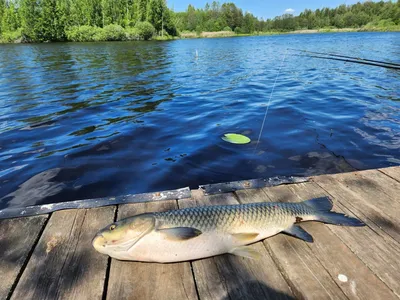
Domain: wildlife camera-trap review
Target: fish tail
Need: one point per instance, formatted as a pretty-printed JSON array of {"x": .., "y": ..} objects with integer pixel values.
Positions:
[{"x": 323, "y": 213}]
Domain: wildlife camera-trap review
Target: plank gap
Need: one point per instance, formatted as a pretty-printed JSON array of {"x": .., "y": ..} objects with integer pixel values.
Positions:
[
  {"x": 385, "y": 235},
  {"x": 109, "y": 260},
  {"x": 194, "y": 280},
  {"x": 349, "y": 207},
  {"x": 295, "y": 291},
  {"x": 366, "y": 264},
  {"x": 28, "y": 257},
  {"x": 395, "y": 179},
  {"x": 191, "y": 265},
  {"x": 326, "y": 269},
  {"x": 106, "y": 279}
]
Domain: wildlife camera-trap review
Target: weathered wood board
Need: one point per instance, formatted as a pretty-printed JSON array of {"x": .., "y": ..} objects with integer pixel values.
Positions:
[
  {"x": 64, "y": 264},
  {"x": 51, "y": 257},
  {"x": 393, "y": 172},
  {"x": 232, "y": 277},
  {"x": 17, "y": 237},
  {"x": 377, "y": 209},
  {"x": 344, "y": 258},
  {"x": 137, "y": 280},
  {"x": 306, "y": 275}
]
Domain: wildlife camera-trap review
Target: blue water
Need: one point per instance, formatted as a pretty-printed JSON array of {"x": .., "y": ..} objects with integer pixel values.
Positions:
[{"x": 103, "y": 119}]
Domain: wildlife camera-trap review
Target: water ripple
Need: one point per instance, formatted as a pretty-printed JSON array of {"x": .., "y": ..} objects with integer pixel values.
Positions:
[{"x": 104, "y": 119}]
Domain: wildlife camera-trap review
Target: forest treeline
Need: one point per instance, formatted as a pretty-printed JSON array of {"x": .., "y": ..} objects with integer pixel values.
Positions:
[{"x": 96, "y": 20}]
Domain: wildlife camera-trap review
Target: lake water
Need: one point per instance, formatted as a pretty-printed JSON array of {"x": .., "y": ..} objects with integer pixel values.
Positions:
[{"x": 104, "y": 119}]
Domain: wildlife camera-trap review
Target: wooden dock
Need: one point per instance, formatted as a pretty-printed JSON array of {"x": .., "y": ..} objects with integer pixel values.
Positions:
[{"x": 51, "y": 257}]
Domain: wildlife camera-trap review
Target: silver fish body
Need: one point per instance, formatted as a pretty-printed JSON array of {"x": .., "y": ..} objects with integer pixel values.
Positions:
[{"x": 194, "y": 233}]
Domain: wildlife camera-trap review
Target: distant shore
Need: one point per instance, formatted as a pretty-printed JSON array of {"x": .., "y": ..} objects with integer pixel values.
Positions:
[{"x": 219, "y": 34}]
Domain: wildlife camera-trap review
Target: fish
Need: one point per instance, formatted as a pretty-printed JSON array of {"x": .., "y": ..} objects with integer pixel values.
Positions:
[{"x": 199, "y": 232}]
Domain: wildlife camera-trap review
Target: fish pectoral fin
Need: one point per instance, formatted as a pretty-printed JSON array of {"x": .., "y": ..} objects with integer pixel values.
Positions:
[
  {"x": 299, "y": 232},
  {"x": 245, "y": 237},
  {"x": 246, "y": 251},
  {"x": 180, "y": 233}
]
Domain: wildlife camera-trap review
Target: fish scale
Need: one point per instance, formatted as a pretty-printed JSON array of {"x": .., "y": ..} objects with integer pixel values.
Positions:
[{"x": 225, "y": 217}]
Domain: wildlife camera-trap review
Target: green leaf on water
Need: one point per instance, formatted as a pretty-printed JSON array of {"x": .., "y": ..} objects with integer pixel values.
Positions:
[{"x": 235, "y": 138}]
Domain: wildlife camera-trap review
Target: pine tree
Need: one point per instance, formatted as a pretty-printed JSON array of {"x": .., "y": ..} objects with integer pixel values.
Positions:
[
  {"x": 141, "y": 10},
  {"x": 30, "y": 14},
  {"x": 10, "y": 19},
  {"x": 155, "y": 13},
  {"x": 2, "y": 8}
]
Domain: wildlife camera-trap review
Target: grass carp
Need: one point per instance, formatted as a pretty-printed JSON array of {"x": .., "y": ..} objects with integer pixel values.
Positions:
[{"x": 199, "y": 232}]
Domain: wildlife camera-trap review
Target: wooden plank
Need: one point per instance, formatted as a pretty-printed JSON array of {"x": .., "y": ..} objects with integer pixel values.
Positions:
[
  {"x": 393, "y": 172},
  {"x": 17, "y": 237},
  {"x": 361, "y": 202},
  {"x": 137, "y": 280},
  {"x": 336, "y": 257},
  {"x": 64, "y": 264},
  {"x": 306, "y": 276},
  {"x": 232, "y": 277},
  {"x": 382, "y": 257},
  {"x": 373, "y": 180}
]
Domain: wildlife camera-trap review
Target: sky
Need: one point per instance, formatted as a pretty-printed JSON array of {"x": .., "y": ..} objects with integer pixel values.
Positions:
[{"x": 265, "y": 8}]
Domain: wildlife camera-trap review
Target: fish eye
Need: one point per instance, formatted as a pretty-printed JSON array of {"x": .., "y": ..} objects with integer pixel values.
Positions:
[{"x": 112, "y": 227}]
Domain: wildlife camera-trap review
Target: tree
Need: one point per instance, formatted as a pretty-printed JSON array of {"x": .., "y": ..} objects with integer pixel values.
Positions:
[
  {"x": 232, "y": 15},
  {"x": 141, "y": 10},
  {"x": 2, "y": 9},
  {"x": 155, "y": 13},
  {"x": 48, "y": 25},
  {"x": 30, "y": 13},
  {"x": 10, "y": 19},
  {"x": 249, "y": 23}
]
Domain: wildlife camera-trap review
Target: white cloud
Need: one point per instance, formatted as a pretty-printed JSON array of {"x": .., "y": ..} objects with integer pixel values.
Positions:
[{"x": 289, "y": 11}]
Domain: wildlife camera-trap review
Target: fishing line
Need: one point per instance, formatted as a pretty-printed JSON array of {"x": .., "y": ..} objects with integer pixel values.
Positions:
[{"x": 269, "y": 101}]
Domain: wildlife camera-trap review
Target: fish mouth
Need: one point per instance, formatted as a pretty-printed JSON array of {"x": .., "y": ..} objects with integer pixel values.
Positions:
[{"x": 100, "y": 243}]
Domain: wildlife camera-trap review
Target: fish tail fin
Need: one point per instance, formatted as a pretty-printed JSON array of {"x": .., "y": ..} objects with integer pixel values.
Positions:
[
  {"x": 331, "y": 217},
  {"x": 322, "y": 207}
]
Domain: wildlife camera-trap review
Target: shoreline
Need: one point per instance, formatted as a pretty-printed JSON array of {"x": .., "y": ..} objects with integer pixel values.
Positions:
[
  {"x": 226, "y": 34},
  {"x": 219, "y": 34}
]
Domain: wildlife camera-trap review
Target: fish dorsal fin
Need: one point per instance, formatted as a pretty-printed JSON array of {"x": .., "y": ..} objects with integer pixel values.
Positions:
[
  {"x": 299, "y": 232},
  {"x": 246, "y": 237},
  {"x": 245, "y": 251},
  {"x": 180, "y": 233}
]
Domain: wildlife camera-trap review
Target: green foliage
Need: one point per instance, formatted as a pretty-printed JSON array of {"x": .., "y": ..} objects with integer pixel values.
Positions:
[
  {"x": 109, "y": 20},
  {"x": 86, "y": 20},
  {"x": 132, "y": 34},
  {"x": 10, "y": 18},
  {"x": 84, "y": 33},
  {"x": 145, "y": 30},
  {"x": 113, "y": 33},
  {"x": 214, "y": 17},
  {"x": 11, "y": 36},
  {"x": 155, "y": 13},
  {"x": 49, "y": 25}
]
